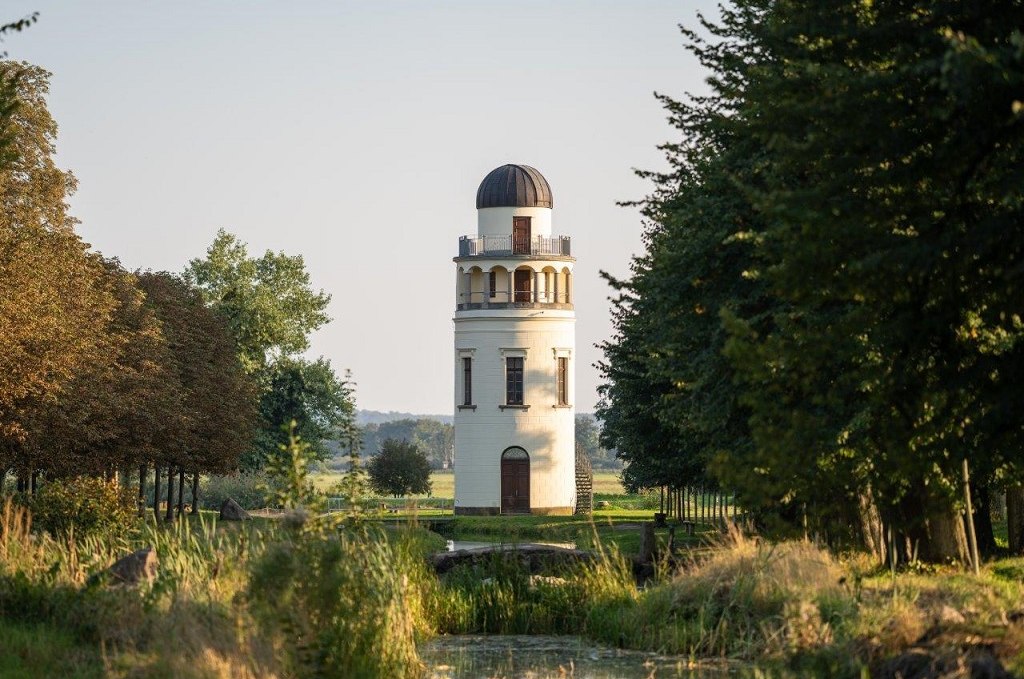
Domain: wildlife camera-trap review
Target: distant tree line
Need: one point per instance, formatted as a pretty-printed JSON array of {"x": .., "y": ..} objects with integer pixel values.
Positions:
[
  {"x": 436, "y": 439},
  {"x": 103, "y": 370},
  {"x": 827, "y": 314}
]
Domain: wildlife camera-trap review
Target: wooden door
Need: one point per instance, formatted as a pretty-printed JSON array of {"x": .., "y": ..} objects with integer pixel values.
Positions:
[
  {"x": 523, "y": 284},
  {"x": 515, "y": 481},
  {"x": 521, "y": 235}
]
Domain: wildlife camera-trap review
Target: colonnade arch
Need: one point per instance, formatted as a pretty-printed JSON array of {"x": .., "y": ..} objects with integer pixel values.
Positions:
[{"x": 527, "y": 283}]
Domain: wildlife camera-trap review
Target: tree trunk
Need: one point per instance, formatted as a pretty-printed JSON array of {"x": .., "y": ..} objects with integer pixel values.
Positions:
[
  {"x": 1015, "y": 518},
  {"x": 872, "y": 530},
  {"x": 35, "y": 482},
  {"x": 169, "y": 514},
  {"x": 944, "y": 539},
  {"x": 142, "y": 489},
  {"x": 647, "y": 543},
  {"x": 181, "y": 491},
  {"x": 983, "y": 520},
  {"x": 20, "y": 482},
  {"x": 156, "y": 492},
  {"x": 195, "y": 492}
]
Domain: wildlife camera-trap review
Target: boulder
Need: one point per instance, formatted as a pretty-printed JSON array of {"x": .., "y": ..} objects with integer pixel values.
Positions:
[
  {"x": 132, "y": 569},
  {"x": 948, "y": 615},
  {"x": 232, "y": 511}
]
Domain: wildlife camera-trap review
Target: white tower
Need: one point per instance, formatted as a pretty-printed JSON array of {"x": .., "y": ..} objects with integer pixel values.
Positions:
[{"x": 515, "y": 342}]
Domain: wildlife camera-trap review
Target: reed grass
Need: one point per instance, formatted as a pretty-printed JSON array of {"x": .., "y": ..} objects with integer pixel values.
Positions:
[{"x": 274, "y": 601}]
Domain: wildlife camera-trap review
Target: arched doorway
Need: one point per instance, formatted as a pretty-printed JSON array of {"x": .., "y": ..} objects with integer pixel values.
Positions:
[{"x": 515, "y": 481}]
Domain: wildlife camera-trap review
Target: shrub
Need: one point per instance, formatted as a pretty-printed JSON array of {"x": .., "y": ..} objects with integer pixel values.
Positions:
[
  {"x": 249, "y": 489},
  {"x": 84, "y": 506},
  {"x": 747, "y": 599},
  {"x": 340, "y": 606}
]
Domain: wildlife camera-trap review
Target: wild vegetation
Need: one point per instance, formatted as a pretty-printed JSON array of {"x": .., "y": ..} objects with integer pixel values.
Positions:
[
  {"x": 827, "y": 312},
  {"x": 826, "y": 319}
]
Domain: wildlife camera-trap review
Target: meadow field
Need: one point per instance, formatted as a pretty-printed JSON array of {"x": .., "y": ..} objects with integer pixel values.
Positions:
[{"x": 443, "y": 484}]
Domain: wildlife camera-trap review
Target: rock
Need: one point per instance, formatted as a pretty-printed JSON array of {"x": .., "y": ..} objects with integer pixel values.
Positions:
[
  {"x": 603, "y": 504},
  {"x": 232, "y": 511},
  {"x": 925, "y": 663},
  {"x": 549, "y": 580},
  {"x": 131, "y": 569},
  {"x": 948, "y": 615}
]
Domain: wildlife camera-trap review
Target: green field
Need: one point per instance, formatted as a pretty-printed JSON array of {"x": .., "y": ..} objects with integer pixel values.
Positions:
[{"x": 443, "y": 484}]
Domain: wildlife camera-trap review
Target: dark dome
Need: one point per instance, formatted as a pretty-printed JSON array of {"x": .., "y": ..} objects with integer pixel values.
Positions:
[{"x": 513, "y": 186}]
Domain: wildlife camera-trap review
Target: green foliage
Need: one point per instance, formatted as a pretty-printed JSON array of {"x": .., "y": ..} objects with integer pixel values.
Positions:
[
  {"x": 435, "y": 439},
  {"x": 84, "y": 506},
  {"x": 828, "y": 305},
  {"x": 588, "y": 434},
  {"x": 308, "y": 393},
  {"x": 400, "y": 468},
  {"x": 289, "y": 472},
  {"x": 341, "y": 603},
  {"x": 268, "y": 300},
  {"x": 248, "y": 489},
  {"x": 271, "y": 309}
]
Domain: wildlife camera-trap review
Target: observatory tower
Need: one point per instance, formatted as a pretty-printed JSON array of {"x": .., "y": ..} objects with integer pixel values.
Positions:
[{"x": 515, "y": 342}]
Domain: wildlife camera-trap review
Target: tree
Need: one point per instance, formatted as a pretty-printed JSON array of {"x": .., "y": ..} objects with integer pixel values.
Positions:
[
  {"x": 267, "y": 301},
  {"x": 669, "y": 404},
  {"x": 271, "y": 308},
  {"x": 840, "y": 218},
  {"x": 218, "y": 398},
  {"x": 309, "y": 394},
  {"x": 400, "y": 468},
  {"x": 588, "y": 435},
  {"x": 435, "y": 439},
  {"x": 118, "y": 409},
  {"x": 895, "y": 199},
  {"x": 54, "y": 308}
]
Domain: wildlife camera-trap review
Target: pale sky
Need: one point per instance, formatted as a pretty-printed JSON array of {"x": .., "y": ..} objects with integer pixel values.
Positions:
[{"x": 356, "y": 134}]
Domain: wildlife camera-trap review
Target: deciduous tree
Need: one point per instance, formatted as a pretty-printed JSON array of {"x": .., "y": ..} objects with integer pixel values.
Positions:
[
  {"x": 54, "y": 307},
  {"x": 400, "y": 468}
]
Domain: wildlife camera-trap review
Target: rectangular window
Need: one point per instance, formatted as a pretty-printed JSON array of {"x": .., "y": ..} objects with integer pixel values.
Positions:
[
  {"x": 514, "y": 381},
  {"x": 467, "y": 381},
  {"x": 563, "y": 381},
  {"x": 492, "y": 285}
]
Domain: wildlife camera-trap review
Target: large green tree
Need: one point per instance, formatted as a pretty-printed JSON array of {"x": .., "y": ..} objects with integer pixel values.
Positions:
[
  {"x": 311, "y": 395},
  {"x": 268, "y": 301},
  {"x": 894, "y": 193},
  {"x": 669, "y": 404},
  {"x": 271, "y": 308},
  {"x": 842, "y": 216}
]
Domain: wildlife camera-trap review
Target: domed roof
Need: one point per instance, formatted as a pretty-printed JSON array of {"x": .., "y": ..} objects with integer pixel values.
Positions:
[{"x": 513, "y": 186}]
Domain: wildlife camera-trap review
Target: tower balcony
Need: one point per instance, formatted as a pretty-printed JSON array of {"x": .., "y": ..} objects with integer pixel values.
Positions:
[{"x": 507, "y": 246}]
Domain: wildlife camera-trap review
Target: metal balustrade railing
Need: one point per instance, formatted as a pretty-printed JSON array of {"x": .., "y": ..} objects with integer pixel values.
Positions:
[{"x": 473, "y": 246}]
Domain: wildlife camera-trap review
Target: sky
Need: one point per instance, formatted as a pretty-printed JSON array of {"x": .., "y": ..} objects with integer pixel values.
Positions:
[{"x": 356, "y": 134}]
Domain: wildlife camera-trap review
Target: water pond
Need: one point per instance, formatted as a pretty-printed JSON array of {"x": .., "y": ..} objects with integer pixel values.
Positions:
[{"x": 540, "y": 657}]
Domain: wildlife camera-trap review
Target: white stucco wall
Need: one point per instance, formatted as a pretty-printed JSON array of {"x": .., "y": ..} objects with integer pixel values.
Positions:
[
  {"x": 546, "y": 432},
  {"x": 497, "y": 221}
]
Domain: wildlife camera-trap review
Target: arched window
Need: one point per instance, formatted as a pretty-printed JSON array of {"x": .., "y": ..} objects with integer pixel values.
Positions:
[{"x": 515, "y": 453}]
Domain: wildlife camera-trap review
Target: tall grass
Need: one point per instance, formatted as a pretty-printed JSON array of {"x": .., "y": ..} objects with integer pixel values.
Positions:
[
  {"x": 319, "y": 599},
  {"x": 745, "y": 599},
  {"x": 338, "y": 605}
]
